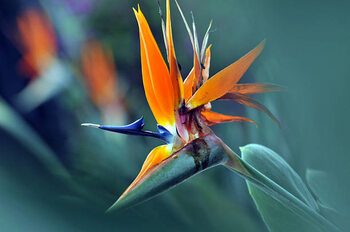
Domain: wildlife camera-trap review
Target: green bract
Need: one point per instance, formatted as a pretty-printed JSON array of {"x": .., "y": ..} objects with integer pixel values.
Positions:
[{"x": 275, "y": 215}]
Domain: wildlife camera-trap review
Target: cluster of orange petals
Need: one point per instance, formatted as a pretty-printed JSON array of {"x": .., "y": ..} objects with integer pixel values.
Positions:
[
  {"x": 37, "y": 42},
  {"x": 165, "y": 90}
]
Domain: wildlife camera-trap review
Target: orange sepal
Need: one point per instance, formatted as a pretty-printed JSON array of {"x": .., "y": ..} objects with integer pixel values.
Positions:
[
  {"x": 194, "y": 77},
  {"x": 156, "y": 156},
  {"x": 175, "y": 74},
  {"x": 188, "y": 84},
  {"x": 190, "y": 81},
  {"x": 255, "y": 88},
  {"x": 223, "y": 81},
  {"x": 213, "y": 118},
  {"x": 197, "y": 71},
  {"x": 156, "y": 79},
  {"x": 205, "y": 71}
]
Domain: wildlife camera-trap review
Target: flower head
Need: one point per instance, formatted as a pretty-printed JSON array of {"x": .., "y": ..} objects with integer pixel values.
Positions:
[{"x": 182, "y": 109}]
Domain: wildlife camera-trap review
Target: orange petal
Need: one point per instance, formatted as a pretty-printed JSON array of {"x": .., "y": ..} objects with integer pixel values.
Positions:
[
  {"x": 252, "y": 88},
  {"x": 205, "y": 72},
  {"x": 193, "y": 79},
  {"x": 188, "y": 84},
  {"x": 156, "y": 79},
  {"x": 213, "y": 118},
  {"x": 175, "y": 74},
  {"x": 197, "y": 71},
  {"x": 223, "y": 81},
  {"x": 156, "y": 156},
  {"x": 248, "y": 101}
]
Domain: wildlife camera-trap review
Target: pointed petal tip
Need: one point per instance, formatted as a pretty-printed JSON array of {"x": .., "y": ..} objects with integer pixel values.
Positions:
[
  {"x": 118, "y": 205},
  {"x": 221, "y": 82},
  {"x": 135, "y": 12},
  {"x": 261, "y": 45},
  {"x": 91, "y": 125},
  {"x": 242, "y": 148}
]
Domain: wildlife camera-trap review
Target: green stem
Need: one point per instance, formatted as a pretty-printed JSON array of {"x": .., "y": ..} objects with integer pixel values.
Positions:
[{"x": 236, "y": 164}]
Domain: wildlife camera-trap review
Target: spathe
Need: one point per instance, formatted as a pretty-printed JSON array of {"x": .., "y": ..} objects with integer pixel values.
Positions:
[{"x": 202, "y": 153}]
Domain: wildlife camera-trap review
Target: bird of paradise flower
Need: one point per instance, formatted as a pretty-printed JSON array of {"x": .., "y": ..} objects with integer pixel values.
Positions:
[{"x": 182, "y": 109}]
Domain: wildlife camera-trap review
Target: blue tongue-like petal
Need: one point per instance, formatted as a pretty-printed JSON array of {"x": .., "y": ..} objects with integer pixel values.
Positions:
[
  {"x": 135, "y": 128},
  {"x": 163, "y": 132}
]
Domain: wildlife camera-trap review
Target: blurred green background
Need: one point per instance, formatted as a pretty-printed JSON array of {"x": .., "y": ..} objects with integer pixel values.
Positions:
[{"x": 58, "y": 176}]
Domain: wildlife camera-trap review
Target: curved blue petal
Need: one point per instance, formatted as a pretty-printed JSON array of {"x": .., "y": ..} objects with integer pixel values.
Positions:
[
  {"x": 131, "y": 129},
  {"x": 135, "y": 128},
  {"x": 163, "y": 132}
]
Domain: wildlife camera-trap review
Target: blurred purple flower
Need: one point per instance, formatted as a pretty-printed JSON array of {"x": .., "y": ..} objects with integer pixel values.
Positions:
[{"x": 79, "y": 6}]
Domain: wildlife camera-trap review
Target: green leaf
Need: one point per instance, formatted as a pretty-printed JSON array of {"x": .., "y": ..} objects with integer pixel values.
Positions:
[
  {"x": 331, "y": 195},
  {"x": 325, "y": 187},
  {"x": 14, "y": 125},
  {"x": 276, "y": 216}
]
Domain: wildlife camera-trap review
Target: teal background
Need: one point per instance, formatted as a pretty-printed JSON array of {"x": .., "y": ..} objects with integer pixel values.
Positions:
[{"x": 306, "y": 51}]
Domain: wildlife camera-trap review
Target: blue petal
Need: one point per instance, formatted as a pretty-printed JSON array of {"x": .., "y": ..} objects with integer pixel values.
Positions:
[
  {"x": 135, "y": 128},
  {"x": 131, "y": 129},
  {"x": 164, "y": 133}
]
